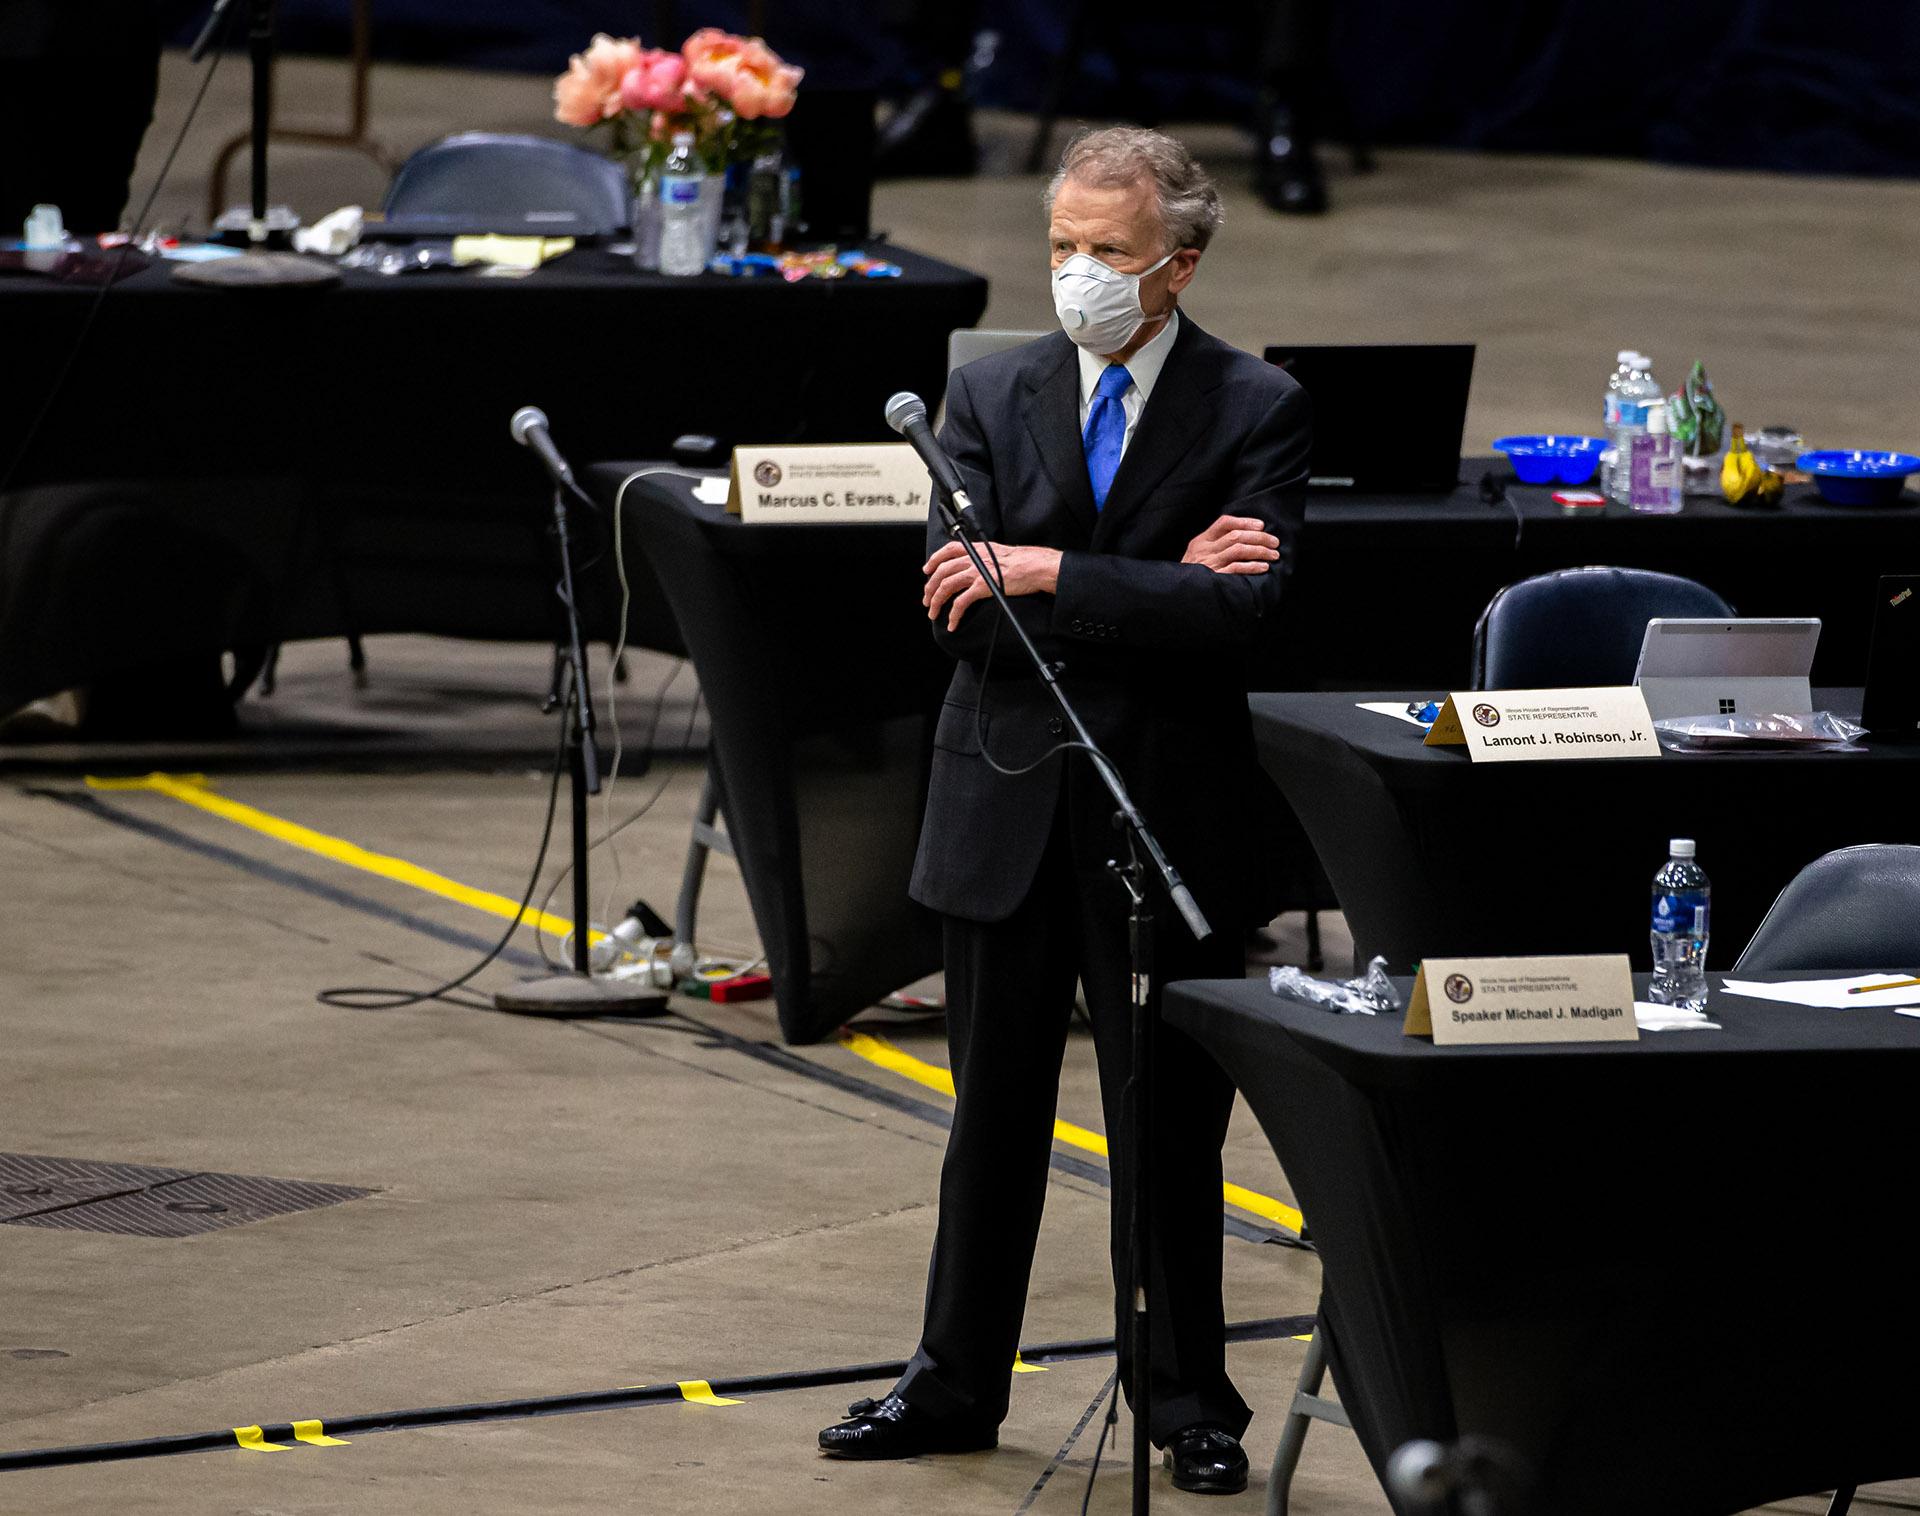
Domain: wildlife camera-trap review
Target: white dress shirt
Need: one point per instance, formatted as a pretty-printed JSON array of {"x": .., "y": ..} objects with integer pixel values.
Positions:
[{"x": 1144, "y": 366}]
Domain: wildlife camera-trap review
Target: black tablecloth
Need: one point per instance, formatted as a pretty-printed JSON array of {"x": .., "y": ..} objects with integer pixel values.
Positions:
[
  {"x": 1432, "y": 854},
  {"x": 300, "y": 463},
  {"x": 1390, "y": 586},
  {"x": 823, "y": 683},
  {"x": 1674, "y": 1275}
]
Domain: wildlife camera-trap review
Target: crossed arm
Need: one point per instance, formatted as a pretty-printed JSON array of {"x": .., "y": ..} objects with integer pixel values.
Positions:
[{"x": 1231, "y": 545}]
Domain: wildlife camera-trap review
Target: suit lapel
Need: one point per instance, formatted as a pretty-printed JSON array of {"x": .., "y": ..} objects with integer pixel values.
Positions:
[
  {"x": 1169, "y": 426},
  {"x": 1053, "y": 419}
]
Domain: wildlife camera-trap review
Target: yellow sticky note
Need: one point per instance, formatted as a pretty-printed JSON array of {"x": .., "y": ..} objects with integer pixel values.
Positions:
[
  {"x": 255, "y": 1441},
  {"x": 699, "y": 1392},
  {"x": 510, "y": 252}
]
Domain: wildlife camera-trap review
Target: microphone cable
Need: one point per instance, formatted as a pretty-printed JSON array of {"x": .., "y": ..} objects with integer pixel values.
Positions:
[
  {"x": 382, "y": 998},
  {"x": 38, "y": 424}
]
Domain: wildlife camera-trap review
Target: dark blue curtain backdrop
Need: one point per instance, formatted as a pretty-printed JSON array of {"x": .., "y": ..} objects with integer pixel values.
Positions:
[{"x": 1786, "y": 84}]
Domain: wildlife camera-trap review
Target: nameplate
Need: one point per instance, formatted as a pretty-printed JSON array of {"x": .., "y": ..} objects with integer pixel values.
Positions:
[
  {"x": 878, "y": 481},
  {"x": 1588, "y": 998},
  {"x": 1519, "y": 726}
]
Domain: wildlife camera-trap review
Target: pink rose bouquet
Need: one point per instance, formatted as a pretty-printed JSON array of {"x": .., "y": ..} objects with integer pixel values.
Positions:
[{"x": 726, "y": 90}]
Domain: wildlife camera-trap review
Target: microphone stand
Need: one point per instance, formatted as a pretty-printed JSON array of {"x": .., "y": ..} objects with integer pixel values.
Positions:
[
  {"x": 578, "y": 993},
  {"x": 260, "y": 265},
  {"x": 1144, "y": 858}
]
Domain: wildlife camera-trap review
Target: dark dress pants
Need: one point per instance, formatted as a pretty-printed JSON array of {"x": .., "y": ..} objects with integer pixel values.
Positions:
[{"x": 1010, "y": 991}]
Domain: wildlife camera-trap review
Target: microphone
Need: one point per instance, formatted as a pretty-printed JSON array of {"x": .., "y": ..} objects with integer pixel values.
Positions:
[
  {"x": 530, "y": 430},
  {"x": 907, "y": 415}
]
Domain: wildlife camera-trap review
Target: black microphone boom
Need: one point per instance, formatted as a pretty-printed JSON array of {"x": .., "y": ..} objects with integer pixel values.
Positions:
[
  {"x": 530, "y": 430},
  {"x": 907, "y": 415}
]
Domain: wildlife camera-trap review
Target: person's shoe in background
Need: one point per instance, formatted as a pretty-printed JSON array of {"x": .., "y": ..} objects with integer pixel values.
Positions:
[{"x": 1286, "y": 167}]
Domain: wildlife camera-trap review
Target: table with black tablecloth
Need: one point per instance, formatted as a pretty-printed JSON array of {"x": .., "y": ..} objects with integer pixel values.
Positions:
[
  {"x": 1674, "y": 1275},
  {"x": 822, "y": 682},
  {"x": 1390, "y": 586},
  {"x": 300, "y": 463},
  {"x": 1430, "y": 853}
]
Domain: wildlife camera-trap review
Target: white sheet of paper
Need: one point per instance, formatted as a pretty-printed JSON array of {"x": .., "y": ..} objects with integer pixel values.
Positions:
[
  {"x": 1666, "y": 1018},
  {"x": 1394, "y": 708},
  {"x": 711, "y": 491},
  {"x": 1829, "y": 994}
]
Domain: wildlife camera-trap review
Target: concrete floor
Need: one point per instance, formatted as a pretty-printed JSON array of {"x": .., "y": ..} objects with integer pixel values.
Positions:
[{"x": 578, "y": 1207}]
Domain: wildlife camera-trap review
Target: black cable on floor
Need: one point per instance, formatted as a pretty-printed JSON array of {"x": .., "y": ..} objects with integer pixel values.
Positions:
[{"x": 377, "y": 998}]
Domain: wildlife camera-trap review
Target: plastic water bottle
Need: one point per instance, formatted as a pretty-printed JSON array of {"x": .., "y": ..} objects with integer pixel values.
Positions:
[
  {"x": 1610, "y": 415},
  {"x": 1682, "y": 899},
  {"x": 683, "y": 240},
  {"x": 1637, "y": 391},
  {"x": 1655, "y": 486},
  {"x": 1610, "y": 409}
]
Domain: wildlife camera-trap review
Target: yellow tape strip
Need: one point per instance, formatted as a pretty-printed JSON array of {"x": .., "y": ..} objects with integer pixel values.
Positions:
[
  {"x": 1021, "y": 1366},
  {"x": 254, "y": 1441},
  {"x": 896, "y": 1060},
  {"x": 699, "y": 1392},
  {"x": 191, "y": 789},
  {"x": 315, "y": 1435}
]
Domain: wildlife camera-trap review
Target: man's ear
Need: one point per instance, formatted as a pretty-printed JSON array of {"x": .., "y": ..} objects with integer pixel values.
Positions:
[{"x": 1180, "y": 272}]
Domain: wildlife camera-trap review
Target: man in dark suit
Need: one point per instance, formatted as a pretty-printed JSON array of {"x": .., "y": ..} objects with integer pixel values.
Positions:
[{"x": 1141, "y": 483}]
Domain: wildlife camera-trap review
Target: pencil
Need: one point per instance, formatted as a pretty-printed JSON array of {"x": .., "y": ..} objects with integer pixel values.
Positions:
[{"x": 1891, "y": 984}]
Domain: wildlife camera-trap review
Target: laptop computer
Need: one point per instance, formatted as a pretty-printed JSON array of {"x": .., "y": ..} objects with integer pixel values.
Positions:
[
  {"x": 1740, "y": 667},
  {"x": 1891, "y": 706},
  {"x": 1387, "y": 419}
]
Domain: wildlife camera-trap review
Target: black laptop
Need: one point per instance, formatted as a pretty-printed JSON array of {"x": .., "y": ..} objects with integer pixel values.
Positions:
[
  {"x": 1891, "y": 706},
  {"x": 1387, "y": 420}
]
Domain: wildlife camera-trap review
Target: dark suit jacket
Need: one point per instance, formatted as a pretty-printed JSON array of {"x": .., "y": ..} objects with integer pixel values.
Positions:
[{"x": 1155, "y": 652}]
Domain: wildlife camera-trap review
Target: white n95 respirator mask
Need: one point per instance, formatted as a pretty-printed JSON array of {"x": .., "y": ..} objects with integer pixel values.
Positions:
[{"x": 1099, "y": 307}]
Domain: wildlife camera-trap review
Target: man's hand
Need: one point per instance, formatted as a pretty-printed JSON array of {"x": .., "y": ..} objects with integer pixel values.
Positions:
[
  {"x": 953, "y": 582},
  {"x": 1234, "y": 545}
]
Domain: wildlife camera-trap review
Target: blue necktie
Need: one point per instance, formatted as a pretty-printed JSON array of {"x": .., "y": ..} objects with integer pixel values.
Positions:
[{"x": 1106, "y": 430}]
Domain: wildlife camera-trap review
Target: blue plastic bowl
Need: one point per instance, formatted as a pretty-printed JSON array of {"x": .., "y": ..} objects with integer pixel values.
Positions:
[
  {"x": 1547, "y": 460},
  {"x": 1860, "y": 478}
]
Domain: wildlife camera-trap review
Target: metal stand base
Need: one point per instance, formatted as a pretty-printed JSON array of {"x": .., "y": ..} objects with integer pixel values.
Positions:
[
  {"x": 258, "y": 271},
  {"x": 580, "y": 995}
]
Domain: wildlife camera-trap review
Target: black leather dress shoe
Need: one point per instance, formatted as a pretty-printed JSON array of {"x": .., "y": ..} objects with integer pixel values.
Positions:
[
  {"x": 1207, "y": 1461},
  {"x": 891, "y": 1428}
]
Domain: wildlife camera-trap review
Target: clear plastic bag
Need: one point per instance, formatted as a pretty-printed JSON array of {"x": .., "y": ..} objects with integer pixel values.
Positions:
[
  {"x": 1697, "y": 734},
  {"x": 1368, "y": 995}
]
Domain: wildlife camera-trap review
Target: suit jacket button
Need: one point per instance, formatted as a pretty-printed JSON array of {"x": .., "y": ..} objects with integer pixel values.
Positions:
[{"x": 1056, "y": 726}]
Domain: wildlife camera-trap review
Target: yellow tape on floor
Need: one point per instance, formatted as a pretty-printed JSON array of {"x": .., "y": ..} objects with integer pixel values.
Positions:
[
  {"x": 315, "y": 1435},
  {"x": 255, "y": 1441},
  {"x": 699, "y": 1392},
  {"x": 192, "y": 789},
  {"x": 897, "y": 1060}
]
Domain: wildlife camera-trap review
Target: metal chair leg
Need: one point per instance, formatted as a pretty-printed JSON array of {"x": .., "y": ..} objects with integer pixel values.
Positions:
[
  {"x": 1842, "y": 1500},
  {"x": 707, "y": 838},
  {"x": 1308, "y": 1405}
]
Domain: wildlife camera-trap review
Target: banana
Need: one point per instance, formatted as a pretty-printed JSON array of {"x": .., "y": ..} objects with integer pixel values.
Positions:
[{"x": 1740, "y": 473}]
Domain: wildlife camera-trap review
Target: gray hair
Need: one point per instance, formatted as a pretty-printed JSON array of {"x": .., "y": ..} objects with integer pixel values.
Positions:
[{"x": 1114, "y": 157}]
